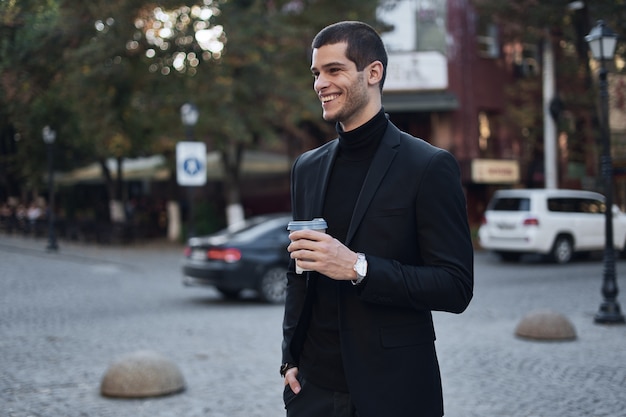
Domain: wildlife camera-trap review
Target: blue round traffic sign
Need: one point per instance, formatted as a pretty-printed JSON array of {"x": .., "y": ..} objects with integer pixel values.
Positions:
[{"x": 192, "y": 166}]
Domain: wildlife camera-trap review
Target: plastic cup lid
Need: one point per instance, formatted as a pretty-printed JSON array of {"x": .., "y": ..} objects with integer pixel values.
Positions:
[{"x": 315, "y": 224}]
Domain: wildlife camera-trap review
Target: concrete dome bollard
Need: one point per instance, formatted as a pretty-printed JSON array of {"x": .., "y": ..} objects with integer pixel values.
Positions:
[
  {"x": 545, "y": 325},
  {"x": 142, "y": 374}
]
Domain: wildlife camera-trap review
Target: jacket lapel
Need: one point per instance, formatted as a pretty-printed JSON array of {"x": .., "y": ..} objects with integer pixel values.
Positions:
[
  {"x": 321, "y": 180},
  {"x": 380, "y": 164}
]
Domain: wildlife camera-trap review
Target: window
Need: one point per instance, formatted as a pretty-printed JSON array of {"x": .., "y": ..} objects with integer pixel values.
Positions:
[
  {"x": 511, "y": 204},
  {"x": 487, "y": 40},
  {"x": 575, "y": 205}
]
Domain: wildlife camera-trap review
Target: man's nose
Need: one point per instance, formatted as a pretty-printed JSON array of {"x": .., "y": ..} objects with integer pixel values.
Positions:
[{"x": 320, "y": 83}]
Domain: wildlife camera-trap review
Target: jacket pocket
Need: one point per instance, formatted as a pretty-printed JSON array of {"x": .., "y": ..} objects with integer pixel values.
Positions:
[
  {"x": 289, "y": 395},
  {"x": 414, "y": 334},
  {"x": 387, "y": 212}
]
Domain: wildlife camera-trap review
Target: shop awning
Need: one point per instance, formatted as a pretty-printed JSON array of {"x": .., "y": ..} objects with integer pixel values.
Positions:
[
  {"x": 155, "y": 168},
  {"x": 422, "y": 101},
  {"x": 134, "y": 169}
]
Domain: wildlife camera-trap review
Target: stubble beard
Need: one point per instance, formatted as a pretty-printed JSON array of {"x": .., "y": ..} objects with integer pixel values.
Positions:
[{"x": 356, "y": 99}]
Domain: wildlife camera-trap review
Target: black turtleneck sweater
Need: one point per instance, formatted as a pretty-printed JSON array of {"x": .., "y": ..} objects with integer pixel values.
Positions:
[{"x": 321, "y": 361}]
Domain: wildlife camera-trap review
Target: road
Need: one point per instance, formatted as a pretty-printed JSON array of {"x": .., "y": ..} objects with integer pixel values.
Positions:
[{"x": 66, "y": 317}]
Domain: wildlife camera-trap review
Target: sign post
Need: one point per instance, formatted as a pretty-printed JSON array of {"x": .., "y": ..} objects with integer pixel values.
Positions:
[{"x": 191, "y": 172}]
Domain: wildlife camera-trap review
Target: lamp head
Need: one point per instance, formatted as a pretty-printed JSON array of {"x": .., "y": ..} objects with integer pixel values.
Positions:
[
  {"x": 189, "y": 114},
  {"x": 49, "y": 135},
  {"x": 602, "y": 41}
]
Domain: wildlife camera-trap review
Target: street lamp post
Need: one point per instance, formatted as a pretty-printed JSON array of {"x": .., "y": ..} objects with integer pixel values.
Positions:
[
  {"x": 189, "y": 116},
  {"x": 49, "y": 136},
  {"x": 602, "y": 43}
]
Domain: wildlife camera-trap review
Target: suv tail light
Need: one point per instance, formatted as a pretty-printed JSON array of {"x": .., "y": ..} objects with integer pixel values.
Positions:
[
  {"x": 228, "y": 255},
  {"x": 531, "y": 221}
]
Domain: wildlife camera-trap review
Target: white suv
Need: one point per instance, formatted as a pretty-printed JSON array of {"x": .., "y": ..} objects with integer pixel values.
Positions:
[{"x": 550, "y": 222}]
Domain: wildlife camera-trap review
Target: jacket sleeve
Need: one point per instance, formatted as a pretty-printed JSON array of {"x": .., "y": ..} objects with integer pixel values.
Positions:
[
  {"x": 296, "y": 291},
  {"x": 295, "y": 295},
  {"x": 441, "y": 276}
]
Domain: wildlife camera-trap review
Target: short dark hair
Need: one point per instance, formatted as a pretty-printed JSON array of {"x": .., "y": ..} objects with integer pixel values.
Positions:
[{"x": 364, "y": 44}]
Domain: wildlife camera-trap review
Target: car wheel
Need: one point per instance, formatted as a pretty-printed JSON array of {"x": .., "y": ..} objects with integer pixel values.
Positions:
[
  {"x": 273, "y": 285},
  {"x": 562, "y": 250},
  {"x": 230, "y": 294}
]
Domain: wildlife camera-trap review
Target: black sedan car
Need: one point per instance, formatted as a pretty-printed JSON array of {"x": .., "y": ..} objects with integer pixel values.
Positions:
[{"x": 252, "y": 255}]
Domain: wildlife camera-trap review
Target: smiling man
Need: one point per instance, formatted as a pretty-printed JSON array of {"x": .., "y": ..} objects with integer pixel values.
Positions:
[
  {"x": 358, "y": 335},
  {"x": 343, "y": 89}
]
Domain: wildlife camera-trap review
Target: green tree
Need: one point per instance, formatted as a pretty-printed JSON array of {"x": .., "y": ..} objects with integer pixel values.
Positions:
[
  {"x": 31, "y": 63},
  {"x": 108, "y": 87},
  {"x": 113, "y": 75},
  {"x": 243, "y": 63}
]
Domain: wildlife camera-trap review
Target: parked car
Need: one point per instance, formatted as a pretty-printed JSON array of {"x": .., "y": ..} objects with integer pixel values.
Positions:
[
  {"x": 252, "y": 255},
  {"x": 552, "y": 222}
]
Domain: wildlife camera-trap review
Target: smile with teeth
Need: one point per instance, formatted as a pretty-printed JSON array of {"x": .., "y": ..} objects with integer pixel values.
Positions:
[{"x": 326, "y": 99}]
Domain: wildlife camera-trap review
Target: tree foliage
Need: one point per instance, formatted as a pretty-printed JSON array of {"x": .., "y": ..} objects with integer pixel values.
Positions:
[
  {"x": 30, "y": 67},
  {"x": 110, "y": 76}
]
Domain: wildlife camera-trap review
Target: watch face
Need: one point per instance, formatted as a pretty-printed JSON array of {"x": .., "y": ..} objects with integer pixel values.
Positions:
[{"x": 361, "y": 266}]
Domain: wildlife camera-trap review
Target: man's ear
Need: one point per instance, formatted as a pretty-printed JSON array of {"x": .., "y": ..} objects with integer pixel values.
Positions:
[{"x": 375, "y": 72}]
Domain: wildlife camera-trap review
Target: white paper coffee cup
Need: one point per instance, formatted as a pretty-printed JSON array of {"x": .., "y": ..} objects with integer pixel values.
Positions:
[{"x": 317, "y": 224}]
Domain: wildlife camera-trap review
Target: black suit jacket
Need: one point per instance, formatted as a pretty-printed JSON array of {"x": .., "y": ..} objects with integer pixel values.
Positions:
[{"x": 410, "y": 220}]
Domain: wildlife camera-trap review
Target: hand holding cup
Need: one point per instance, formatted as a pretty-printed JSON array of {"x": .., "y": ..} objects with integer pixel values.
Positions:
[{"x": 317, "y": 224}]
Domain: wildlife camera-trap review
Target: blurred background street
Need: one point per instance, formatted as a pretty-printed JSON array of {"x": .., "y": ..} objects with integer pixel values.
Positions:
[
  {"x": 66, "y": 316},
  {"x": 130, "y": 120}
]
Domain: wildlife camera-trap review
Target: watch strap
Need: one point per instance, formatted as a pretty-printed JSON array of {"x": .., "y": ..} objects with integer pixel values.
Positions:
[
  {"x": 360, "y": 267},
  {"x": 285, "y": 367}
]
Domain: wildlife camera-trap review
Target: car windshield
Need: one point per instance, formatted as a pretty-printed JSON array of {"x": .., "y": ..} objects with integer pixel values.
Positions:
[
  {"x": 255, "y": 230},
  {"x": 511, "y": 204}
]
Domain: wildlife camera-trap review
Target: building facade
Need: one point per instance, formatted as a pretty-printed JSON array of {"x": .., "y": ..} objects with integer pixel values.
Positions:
[{"x": 445, "y": 83}]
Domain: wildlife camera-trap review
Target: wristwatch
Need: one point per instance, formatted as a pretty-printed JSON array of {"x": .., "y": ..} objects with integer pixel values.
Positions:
[
  {"x": 360, "y": 267},
  {"x": 285, "y": 367}
]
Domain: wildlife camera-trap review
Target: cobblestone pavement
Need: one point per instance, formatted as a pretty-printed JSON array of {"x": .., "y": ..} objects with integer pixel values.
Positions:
[{"x": 66, "y": 316}]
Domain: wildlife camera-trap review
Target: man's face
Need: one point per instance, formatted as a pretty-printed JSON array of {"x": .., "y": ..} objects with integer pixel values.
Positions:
[{"x": 342, "y": 89}]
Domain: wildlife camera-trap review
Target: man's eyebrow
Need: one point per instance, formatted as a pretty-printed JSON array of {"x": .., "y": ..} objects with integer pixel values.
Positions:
[{"x": 331, "y": 64}]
